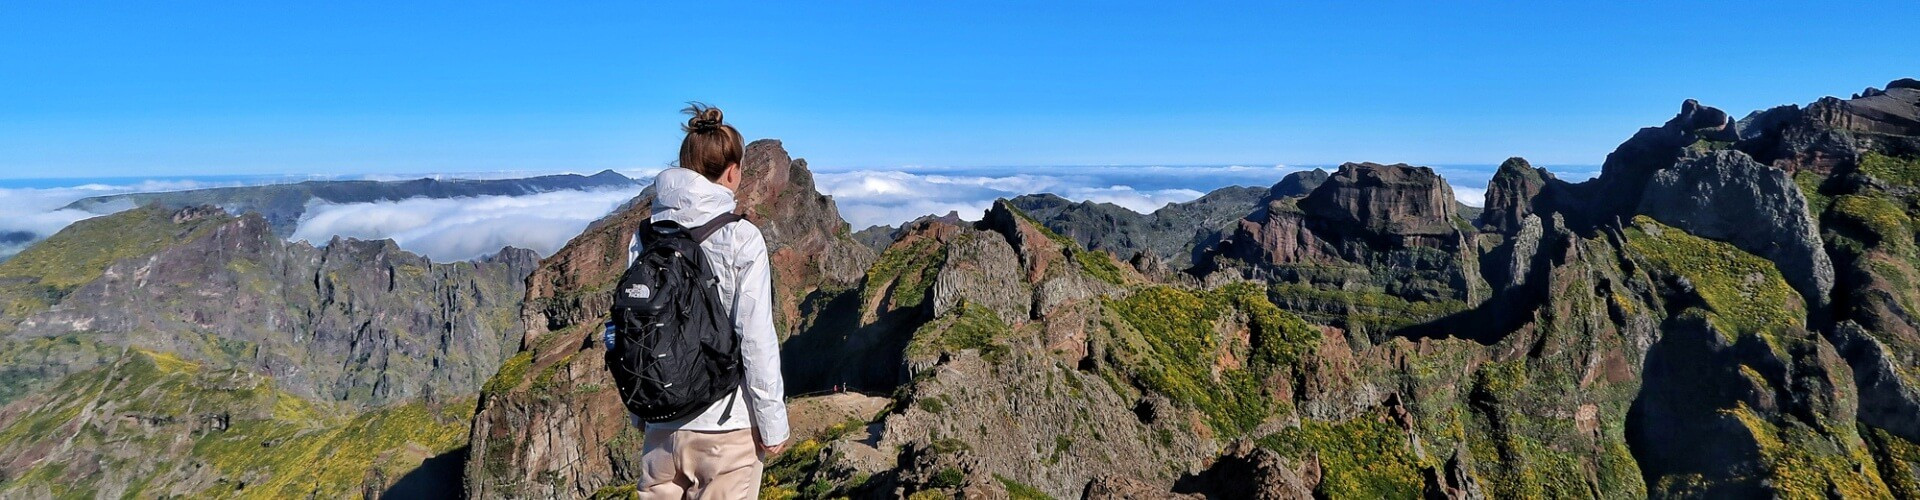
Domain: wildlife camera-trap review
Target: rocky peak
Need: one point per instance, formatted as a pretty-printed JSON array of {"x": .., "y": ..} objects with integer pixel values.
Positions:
[
  {"x": 1894, "y": 111},
  {"x": 1510, "y": 195},
  {"x": 814, "y": 257},
  {"x": 1397, "y": 199},
  {"x": 1037, "y": 251},
  {"x": 1623, "y": 177},
  {"x": 1704, "y": 122},
  {"x": 197, "y": 212},
  {"x": 1298, "y": 183},
  {"x": 1726, "y": 195}
]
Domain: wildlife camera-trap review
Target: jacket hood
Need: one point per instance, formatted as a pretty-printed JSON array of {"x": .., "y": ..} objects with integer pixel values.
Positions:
[{"x": 688, "y": 198}]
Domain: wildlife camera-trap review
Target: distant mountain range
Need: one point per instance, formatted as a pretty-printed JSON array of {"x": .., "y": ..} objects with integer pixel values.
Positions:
[
  {"x": 1728, "y": 310},
  {"x": 1724, "y": 311},
  {"x": 283, "y": 204}
]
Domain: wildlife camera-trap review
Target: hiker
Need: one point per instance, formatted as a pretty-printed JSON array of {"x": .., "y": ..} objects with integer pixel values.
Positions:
[{"x": 714, "y": 412}]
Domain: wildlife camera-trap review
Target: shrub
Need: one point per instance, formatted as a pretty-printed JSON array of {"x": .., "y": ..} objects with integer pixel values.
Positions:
[
  {"x": 1182, "y": 341},
  {"x": 1366, "y": 457},
  {"x": 1891, "y": 170},
  {"x": 1744, "y": 293}
]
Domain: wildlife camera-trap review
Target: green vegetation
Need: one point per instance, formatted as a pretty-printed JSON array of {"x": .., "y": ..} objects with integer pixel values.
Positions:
[
  {"x": 1099, "y": 265},
  {"x": 1181, "y": 343},
  {"x": 1021, "y": 491},
  {"x": 1801, "y": 462},
  {"x": 1524, "y": 448},
  {"x": 1370, "y": 311},
  {"x": 44, "y": 273},
  {"x": 511, "y": 373},
  {"x": 948, "y": 477},
  {"x": 1366, "y": 457},
  {"x": 27, "y": 365},
  {"x": 1883, "y": 220},
  {"x": 936, "y": 404},
  {"x": 787, "y": 475},
  {"x": 1744, "y": 294},
  {"x": 267, "y": 443},
  {"x": 1710, "y": 145},
  {"x": 79, "y": 253},
  {"x": 1898, "y": 460},
  {"x": 909, "y": 269},
  {"x": 1809, "y": 183},
  {"x": 1891, "y": 170},
  {"x": 968, "y": 326}
]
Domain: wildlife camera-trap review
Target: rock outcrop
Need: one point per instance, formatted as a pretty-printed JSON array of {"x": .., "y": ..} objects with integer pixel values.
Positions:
[
  {"x": 189, "y": 352},
  {"x": 1725, "y": 195},
  {"x": 1171, "y": 233},
  {"x": 283, "y": 204},
  {"x": 1512, "y": 195},
  {"x": 549, "y": 425}
]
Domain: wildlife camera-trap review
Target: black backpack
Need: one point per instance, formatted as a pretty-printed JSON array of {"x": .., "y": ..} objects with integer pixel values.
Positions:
[{"x": 674, "y": 350}]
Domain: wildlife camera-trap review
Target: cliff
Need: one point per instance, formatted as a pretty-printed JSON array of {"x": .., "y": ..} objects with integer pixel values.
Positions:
[{"x": 191, "y": 352}]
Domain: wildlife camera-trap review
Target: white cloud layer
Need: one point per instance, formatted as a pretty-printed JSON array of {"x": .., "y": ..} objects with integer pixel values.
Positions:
[
  {"x": 891, "y": 197},
  {"x": 465, "y": 228},
  {"x": 37, "y": 211},
  {"x": 450, "y": 229}
]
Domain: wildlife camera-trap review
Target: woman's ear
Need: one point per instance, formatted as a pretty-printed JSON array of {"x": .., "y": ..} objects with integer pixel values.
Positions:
[{"x": 733, "y": 176}]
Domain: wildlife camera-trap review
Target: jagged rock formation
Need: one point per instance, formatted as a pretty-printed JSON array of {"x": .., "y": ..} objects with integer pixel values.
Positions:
[
  {"x": 548, "y": 423},
  {"x": 360, "y": 322},
  {"x": 283, "y": 204},
  {"x": 1692, "y": 322},
  {"x": 1170, "y": 233},
  {"x": 878, "y": 238},
  {"x": 1725, "y": 195},
  {"x": 1512, "y": 195},
  {"x": 1391, "y": 231},
  {"x": 195, "y": 353}
]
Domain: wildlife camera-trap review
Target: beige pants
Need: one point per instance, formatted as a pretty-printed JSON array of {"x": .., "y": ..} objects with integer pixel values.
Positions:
[{"x": 694, "y": 464}]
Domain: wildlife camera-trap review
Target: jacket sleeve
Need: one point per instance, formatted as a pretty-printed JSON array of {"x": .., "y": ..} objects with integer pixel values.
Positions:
[{"x": 759, "y": 345}]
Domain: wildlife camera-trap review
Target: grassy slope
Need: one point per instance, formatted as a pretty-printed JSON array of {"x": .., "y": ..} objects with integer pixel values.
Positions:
[{"x": 275, "y": 445}]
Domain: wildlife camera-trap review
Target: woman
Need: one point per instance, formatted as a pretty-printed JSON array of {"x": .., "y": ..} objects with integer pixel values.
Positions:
[{"x": 717, "y": 453}]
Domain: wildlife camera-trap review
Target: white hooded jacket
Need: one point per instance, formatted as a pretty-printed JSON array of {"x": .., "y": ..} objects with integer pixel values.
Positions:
[{"x": 737, "y": 254}]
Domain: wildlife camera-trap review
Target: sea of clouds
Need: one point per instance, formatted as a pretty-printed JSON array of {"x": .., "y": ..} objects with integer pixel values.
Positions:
[
  {"x": 30, "y": 214},
  {"x": 449, "y": 229},
  {"x": 891, "y": 197}
]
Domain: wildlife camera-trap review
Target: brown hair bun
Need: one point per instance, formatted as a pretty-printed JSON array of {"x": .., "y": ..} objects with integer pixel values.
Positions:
[{"x": 711, "y": 144}]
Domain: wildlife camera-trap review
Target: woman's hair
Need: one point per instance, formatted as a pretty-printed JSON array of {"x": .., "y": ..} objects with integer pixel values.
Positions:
[{"x": 711, "y": 144}]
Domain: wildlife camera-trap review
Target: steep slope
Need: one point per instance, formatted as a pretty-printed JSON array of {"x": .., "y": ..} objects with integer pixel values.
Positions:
[
  {"x": 1726, "y": 311},
  {"x": 1169, "y": 234},
  {"x": 1175, "y": 236},
  {"x": 283, "y": 204},
  {"x": 193, "y": 352}
]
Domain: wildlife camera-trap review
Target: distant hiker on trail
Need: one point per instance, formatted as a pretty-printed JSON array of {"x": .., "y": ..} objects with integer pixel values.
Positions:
[{"x": 691, "y": 342}]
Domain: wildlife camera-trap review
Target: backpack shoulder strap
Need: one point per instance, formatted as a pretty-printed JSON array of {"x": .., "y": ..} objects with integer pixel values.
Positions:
[{"x": 701, "y": 233}]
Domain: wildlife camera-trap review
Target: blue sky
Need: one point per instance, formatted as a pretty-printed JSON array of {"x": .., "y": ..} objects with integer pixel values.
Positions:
[{"x": 208, "y": 88}]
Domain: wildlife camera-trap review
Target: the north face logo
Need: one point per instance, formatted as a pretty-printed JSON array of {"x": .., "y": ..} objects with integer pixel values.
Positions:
[{"x": 639, "y": 291}]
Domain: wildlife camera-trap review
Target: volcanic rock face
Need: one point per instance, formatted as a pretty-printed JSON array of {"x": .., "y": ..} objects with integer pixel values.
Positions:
[
  {"x": 1388, "y": 201},
  {"x": 1389, "y": 230},
  {"x": 551, "y": 426},
  {"x": 1298, "y": 184},
  {"x": 1725, "y": 195},
  {"x": 283, "y": 204},
  {"x": 1663, "y": 330},
  {"x": 1171, "y": 233},
  {"x": 152, "y": 344},
  {"x": 1511, "y": 195},
  {"x": 361, "y": 322}
]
